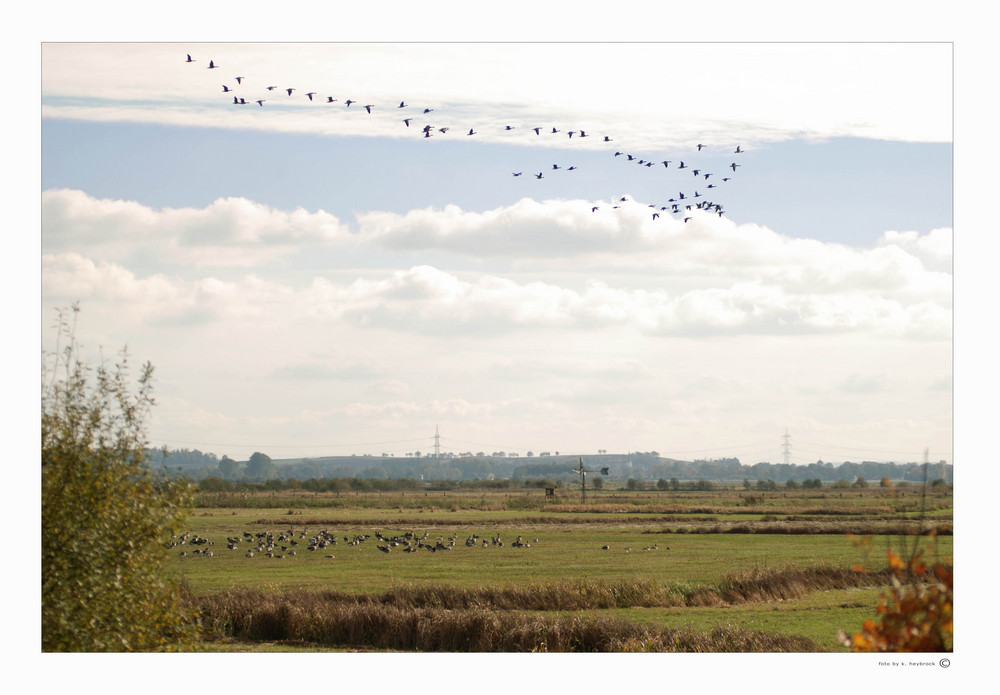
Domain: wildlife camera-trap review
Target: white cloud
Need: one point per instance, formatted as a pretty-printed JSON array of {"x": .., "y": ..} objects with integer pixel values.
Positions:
[
  {"x": 228, "y": 232},
  {"x": 717, "y": 91},
  {"x": 426, "y": 300}
]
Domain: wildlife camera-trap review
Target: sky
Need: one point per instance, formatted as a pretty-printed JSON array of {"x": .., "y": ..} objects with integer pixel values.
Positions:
[{"x": 310, "y": 279}]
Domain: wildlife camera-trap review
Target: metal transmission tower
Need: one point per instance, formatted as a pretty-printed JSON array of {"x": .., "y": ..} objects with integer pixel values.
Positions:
[
  {"x": 786, "y": 448},
  {"x": 437, "y": 443}
]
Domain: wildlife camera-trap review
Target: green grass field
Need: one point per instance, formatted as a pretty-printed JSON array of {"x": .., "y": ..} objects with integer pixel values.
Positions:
[{"x": 682, "y": 542}]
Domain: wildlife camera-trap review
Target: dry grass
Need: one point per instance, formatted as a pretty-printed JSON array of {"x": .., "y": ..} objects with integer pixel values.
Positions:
[
  {"x": 496, "y": 619},
  {"x": 256, "y": 616}
]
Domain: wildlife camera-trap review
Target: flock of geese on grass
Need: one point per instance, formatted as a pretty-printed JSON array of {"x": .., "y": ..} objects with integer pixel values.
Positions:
[
  {"x": 684, "y": 202},
  {"x": 285, "y": 544}
]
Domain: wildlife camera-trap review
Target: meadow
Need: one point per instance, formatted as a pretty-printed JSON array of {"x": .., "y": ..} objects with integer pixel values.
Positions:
[{"x": 487, "y": 570}]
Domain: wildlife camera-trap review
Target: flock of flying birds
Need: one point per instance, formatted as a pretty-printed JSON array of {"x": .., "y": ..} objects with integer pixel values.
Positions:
[{"x": 683, "y": 202}]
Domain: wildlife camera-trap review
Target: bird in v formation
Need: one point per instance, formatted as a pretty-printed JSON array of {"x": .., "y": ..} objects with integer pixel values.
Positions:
[{"x": 429, "y": 130}]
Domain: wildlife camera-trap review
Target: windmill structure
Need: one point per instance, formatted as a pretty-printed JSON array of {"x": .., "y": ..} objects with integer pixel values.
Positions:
[{"x": 583, "y": 477}]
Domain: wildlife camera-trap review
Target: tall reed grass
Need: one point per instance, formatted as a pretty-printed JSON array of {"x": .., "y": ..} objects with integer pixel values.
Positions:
[
  {"x": 436, "y": 617},
  {"x": 256, "y": 616}
]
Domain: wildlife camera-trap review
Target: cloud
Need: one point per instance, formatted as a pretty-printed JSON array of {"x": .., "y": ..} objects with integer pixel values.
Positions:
[
  {"x": 228, "y": 232},
  {"x": 426, "y": 300},
  {"x": 739, "y": 93},
  {"x": 863, "y": 383}
]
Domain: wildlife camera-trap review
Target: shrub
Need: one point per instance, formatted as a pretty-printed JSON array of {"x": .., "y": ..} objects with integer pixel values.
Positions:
[
  {"x": 915, "y": 615},
  {"x": 106, "y": 519}
]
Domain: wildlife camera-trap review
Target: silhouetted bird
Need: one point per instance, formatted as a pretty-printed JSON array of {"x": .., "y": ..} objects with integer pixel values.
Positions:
[
  {"x": 189, "y": 59},
  {"x": 239, "y": 80},
  {"x": 369, "y": 107},
  {"x": 290, "y": 90},
  {"x": 518, "y": 173},
  {"x": 212, "y": 65},
  {"x": 310, "y": 95}
]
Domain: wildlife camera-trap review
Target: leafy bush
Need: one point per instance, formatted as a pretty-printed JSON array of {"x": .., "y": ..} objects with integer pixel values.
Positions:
[
  {"x": 915, "y": 615},
  {"x": 106, "y": 519}
]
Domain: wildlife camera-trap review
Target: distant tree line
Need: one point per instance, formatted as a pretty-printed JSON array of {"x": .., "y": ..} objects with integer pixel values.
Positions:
[{"x": 645, "y": 467}]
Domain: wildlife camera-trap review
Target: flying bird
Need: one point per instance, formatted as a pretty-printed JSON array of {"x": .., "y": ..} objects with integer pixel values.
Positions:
[
  {"x": 734, "y": 165},
  {"x": 272, "y": 88},
  {"x": 428, "y": 110},
  {"x": 350, "y": 101},
  {"x": 536, "y": 130},
  {"x": 700, "y": 146},
  {"x": 538, "y": 175},
  {"x": 330, "y": 100},
  {"x": 607, "y": 139},
  {"x": 518, "y": 173},
  {"x": 211, "y": 65},
  {"x": 473, "y": 132},
  {"x": 369, "y": 107},
  {"x": 290, "y": 90},
  {"x": 226, "y": 89},
  {"x": 738, "y": 150},
  {"x": 402, "y": 105},
  {"x": 310, "y": 95},
  {"x": 407, "y": 121},
  {"x": 260, "y": 102},
  {"x": 239, "y": 80},
  {"x": 189, "y": 59},
  {"x": 509, "y": 127}
]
